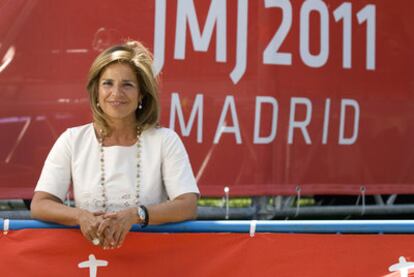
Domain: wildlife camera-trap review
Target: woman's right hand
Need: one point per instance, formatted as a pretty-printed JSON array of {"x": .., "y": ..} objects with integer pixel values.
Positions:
[
  {"x": 48, "y": 207},
  {"x": 89, "y": 223}
]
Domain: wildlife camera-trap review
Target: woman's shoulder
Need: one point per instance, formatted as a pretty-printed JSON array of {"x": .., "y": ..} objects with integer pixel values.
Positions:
[
  {"x": 80, "y": 130},
  {"x": 77, "y": 133},
  {"x": 163, "y": 133}
]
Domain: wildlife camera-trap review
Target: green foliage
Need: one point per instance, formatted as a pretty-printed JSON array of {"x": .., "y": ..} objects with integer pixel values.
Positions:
[{"x": 219, "y": 202}]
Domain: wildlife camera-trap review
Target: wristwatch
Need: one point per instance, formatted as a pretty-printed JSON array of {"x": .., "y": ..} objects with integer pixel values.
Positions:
[{"x": 142, "y": 213}]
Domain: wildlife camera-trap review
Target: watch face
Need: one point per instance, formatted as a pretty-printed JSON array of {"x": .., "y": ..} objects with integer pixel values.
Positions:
[{"x": 141, "y": 214}]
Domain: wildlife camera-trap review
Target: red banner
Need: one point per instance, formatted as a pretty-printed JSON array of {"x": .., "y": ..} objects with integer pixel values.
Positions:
[
  {"x": 267, "y": 95},
  {"x": 66, "y": 253}
]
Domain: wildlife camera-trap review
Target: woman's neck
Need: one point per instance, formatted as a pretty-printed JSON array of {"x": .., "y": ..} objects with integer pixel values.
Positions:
[{"x": 122, "y": 133}]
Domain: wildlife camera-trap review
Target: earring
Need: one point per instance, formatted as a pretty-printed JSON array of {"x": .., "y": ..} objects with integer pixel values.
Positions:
[
  {"x": 97, "y": 104},
  {"x": 140, "y": 106}
]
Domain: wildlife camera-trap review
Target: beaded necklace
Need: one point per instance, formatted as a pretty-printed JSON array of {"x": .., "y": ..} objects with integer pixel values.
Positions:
[{"x": 138, "y": 174}]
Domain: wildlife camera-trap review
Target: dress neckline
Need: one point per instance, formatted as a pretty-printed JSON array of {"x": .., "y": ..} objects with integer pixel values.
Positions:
[{"x": 96, "y": 140}]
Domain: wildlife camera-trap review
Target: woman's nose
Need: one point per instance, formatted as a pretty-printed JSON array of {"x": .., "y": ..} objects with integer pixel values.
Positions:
[{"x": 116, "y": 89}]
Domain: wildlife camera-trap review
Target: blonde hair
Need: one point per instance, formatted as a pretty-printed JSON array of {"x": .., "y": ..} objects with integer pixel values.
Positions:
[{"x": 140, "y": 59}]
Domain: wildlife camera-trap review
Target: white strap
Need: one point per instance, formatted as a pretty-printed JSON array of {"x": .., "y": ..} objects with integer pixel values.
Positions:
[
  {"x": 226, "y": 199},
  {"x": 252, "y": 227},
  {"x": 6, "y": 224},
  {"x": 362, "y": 189},
  {"x": 298, "y": 190}
]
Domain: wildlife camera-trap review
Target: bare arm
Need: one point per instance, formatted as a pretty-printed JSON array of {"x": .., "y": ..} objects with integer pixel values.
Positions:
[
  {"x": 184, "y": 207},
  {"x": 48, "y": 207}
]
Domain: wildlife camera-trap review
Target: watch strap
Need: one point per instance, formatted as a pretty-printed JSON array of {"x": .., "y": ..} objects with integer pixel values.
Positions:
[{"x": 146, "y": 219}]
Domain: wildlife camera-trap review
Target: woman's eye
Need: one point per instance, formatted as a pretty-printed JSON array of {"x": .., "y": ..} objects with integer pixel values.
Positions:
[
  {"x": 128, "y": 85},
  {"x": 107, "y": 83}
]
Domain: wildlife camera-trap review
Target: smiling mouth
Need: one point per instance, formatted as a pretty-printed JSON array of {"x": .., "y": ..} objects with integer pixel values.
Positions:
[{"x": 116, "y": 103}]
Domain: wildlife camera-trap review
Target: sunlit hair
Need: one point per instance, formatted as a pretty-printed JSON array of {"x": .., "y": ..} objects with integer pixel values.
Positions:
[{"x": 140, "y": 59}]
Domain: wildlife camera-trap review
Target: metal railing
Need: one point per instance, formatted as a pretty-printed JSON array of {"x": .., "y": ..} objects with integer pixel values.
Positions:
[{"x": 247, "y": 226}]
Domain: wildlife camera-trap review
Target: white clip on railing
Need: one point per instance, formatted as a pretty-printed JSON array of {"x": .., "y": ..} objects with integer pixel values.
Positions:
[
  {"x": 6, "y": 225},
  {"x": 226, "y": 200},
  {"x": 252, "y": 228}
]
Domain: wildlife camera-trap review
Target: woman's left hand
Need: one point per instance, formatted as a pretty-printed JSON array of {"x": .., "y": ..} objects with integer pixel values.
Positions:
[{"x": 116, "y": 226}]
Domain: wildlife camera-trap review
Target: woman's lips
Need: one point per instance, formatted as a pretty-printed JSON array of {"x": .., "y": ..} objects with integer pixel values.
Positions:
[{"x": 116, "y": 103}]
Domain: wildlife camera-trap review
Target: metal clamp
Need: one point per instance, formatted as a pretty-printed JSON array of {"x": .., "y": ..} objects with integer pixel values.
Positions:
[
  {"x": 361, "y": 197},
  {"x": 252, "y": 231},
  {"x": 6, "y": 225},
  {"x": 226, "y": 201},
  {"x": 298, "y": 190}
]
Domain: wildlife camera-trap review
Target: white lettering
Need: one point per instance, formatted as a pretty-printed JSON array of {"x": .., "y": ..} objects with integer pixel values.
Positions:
[
  {"x": 7, "y": 58},
  {"x": 257, "y": 139},
  {"x": 216, "y": 16},
  {"x": 271, "y": 54},
  {"x": 299, "y": 124},
  {"x": 344, "y": 12},
  {"x": 368, "y": 14},
  {"x": 342, "y": 139},
  {"x": 266, "y": 119},
  {"x": 326, "y": 121},
  {"x": 307, "y": 57},
  {"x": 241, "y": 47},
  {"x": 197, "y": 109},
  {"x": 222, "y": 126},
  {"x": 159, "y": 35}
]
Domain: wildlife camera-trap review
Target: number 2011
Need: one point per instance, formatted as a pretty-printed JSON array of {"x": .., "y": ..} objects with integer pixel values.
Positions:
[{"x": 272, "y": 55}]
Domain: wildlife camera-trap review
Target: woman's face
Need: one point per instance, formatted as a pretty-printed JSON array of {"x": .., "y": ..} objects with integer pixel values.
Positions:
[{"x": 119, "y": 92}]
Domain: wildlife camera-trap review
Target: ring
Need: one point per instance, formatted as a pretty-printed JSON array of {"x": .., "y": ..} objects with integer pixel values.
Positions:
[{"x": 96, "y": 241}]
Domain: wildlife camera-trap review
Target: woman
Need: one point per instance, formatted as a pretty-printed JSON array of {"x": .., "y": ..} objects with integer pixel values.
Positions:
[{"x": 124, "y": 168}]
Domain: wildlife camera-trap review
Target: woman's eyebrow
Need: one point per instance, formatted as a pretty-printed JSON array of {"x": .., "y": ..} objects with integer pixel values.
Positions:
[{"x": 123, "y": 80}]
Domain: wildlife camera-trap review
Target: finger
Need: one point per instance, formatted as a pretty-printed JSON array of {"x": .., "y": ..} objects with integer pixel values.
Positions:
[
  {"x": 122, "y": 238},
  {"x": 98, "y": 213},
  {"x": 116, "y": 238},
  {"x": 87, "y": 235},
  {"x": 109, "y": 232},
  {"x": 119, "y": 238},
  {"x": 110, "y": 216},
  {"x": 90, "y": 237},
  {"x": 86, "y": 222},
  {"x": 94, "y": 230},
  {"x": 102, "y": 226},
  {"x": 112, "y": 238},
  {"x": 89, "y": 230},
  {"x": 105, "y": 241}
]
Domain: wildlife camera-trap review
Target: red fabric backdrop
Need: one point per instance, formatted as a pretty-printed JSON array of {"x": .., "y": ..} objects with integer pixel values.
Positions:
[{"x": 52, "y": 252}]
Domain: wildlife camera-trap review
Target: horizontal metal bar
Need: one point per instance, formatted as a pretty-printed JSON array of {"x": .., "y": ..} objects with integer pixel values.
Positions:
[
  {"x": 15, "y": 214},
  {"x": 216, "y": 213},
  {"x": 210, "y": 213},
  {"x": 401, "y": 209},
  {"x": 243, "y": 226},
  {"x": 220, "y": 213}
]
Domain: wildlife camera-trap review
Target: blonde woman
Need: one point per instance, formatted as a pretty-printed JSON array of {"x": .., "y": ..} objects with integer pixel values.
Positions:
[{"x": 124, "y": 168}]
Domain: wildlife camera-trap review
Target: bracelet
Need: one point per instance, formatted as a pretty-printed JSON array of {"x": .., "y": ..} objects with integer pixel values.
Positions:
[{"x": 146, "y": 220}]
